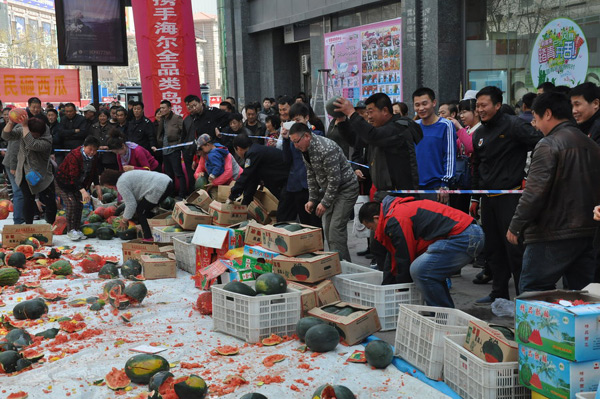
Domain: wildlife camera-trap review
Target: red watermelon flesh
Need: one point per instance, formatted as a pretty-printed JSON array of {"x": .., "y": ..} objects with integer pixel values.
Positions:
[
  {"x": 535, "y": 337},
  {"x": 535, "y": 381}
]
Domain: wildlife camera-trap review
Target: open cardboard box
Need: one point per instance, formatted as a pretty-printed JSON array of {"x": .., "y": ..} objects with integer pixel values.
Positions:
[
  {"x": 154, "y": 268},
  {"x": 14, "y": 234},
  {"x": 257, "y": 258},
  {"x": 313, "y": 295},
  {"x": 356, "y": 326},
  {"x": 292, "y": 243},
  {"x": 199, "y": 198},
  {"x": 307, "y": 269},
  {"x": 211, "y": 243},
  {"x": 163, "y": 220},
  {"x": 489, "y": 344},
  {"x": 188, "y": 218},
  {"x": 228, "y": 214},
  {"x": 134, "y": 249}
]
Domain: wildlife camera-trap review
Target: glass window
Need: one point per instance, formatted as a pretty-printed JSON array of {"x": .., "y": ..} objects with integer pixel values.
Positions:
[{"x": 501, "y": 35}]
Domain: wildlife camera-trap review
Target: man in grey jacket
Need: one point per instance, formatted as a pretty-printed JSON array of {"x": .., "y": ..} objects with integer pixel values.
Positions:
[{"x": 332, "y": 185}]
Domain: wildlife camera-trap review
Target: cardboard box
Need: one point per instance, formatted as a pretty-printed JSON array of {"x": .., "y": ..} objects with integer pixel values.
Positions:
[
  {"x": 309, "y": 270},
  {"x": 228, "y": 214},
  {"x": 223, "y": 192},
  {"x": 163, "y": 220},
  {"x": 555, "y": 377},
  {"x": 199, "y": 198},
  {"x": 259, "y": 259},
  {"x": 356, "y": 326},
  {"x": 258, "y": 212},
  {"x": 314, "y": 295},
  {"x": 211, "y": 243},
  {"x": 497, "y": 347},
  {"x": 253, "y": 232},
  {"x": 188, "y": 218},
  {"x": 157, "y": 268},
  {"x": 571, "y": 332},
  {"x": 218, "y": 272},
  {"x": 134, "y": 249},
  {"x": 243, "y": 273},
  {"x": 292, "y": 243},
  {"x": 14, "y": 234},
  {"x": 267, "y": 200}
]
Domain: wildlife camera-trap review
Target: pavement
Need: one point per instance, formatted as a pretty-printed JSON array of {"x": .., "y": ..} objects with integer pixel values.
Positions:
[{"x": 464, "y": 292}]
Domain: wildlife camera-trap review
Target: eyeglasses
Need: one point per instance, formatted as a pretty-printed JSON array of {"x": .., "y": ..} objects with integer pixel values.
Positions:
[{"x": 299, "y": 140}]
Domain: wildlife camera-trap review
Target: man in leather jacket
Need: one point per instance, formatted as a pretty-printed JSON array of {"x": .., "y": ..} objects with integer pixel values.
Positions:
[{"x": 555, "y": 211}]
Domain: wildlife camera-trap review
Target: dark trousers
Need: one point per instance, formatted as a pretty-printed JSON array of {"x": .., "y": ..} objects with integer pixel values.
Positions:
[
  {"x": 505, "y": 258},
  {"x": 188, "y": 159},
  {"x": 47, "y": 197},
  {"x": 74, "y": 207},
  {"x": 291, "y": 206},
  {"x": 144, "y": 208},
  {"x": 172, "y": 164}
]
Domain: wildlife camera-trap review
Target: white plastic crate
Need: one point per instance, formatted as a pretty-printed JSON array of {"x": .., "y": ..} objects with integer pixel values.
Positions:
[
  {"x": 366, "y": 289},
  {"x": 185, "y": 252},
  {"x": 352, "y": 268},
  {"x": 164, "y": 236},
  {"x": 585, "y": 395},
  {"x": 420, "y": 335},
  {"x": 474, "y": 378},
  {"x": 254, "y": 318}
]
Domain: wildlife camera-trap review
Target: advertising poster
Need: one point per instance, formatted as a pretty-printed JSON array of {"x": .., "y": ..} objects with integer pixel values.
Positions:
[
  {"x": 55, "y": 85},
  {"x": 366, "y": 60},
  {"x": 167, "y": 53},
  {"x": 560, "y": 54},
  {"x": 91, "y": 32}
]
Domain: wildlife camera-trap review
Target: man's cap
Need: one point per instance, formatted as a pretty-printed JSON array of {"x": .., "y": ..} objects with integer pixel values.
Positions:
[
  {"x": 471, "y": 95},
  {"x": 88, "y": 107},
  {"x": 202, "y": 140},
  {"x": 360, "y": 105}
]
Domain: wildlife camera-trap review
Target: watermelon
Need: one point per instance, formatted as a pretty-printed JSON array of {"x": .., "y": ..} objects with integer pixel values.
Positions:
[
  {"x": 535, "y": 337},
  {"x": 26, "y": 250},
  {"x": 97, "y": 216},
  {"x": 131, "y": 267},
  {"x": 227, "y": 350},
  {"x": 270, "y": 284},
  {"x": 524, "y": 331},
  {"x": 129, "y": 234},
  {"x": 30, "y": 310},
  {"x": 293, "y": 227},
  {"x": 10, "y": 276},
  {"x": 254, "y": 395},
  {"x": 201, "y": 182},
  {"x": 120, "y": 209},
  {"x": 117, "y": 379},
  {"x": 300, "y": 272},
  {"x": 281, "y": 244},
  {"x": 19, "y": 338},
  {"x": 108, "y": 198},
  {"x": 109, "y": 271},
  {"x": 535, "y": 381},
  {"x": 117, "y": 299},
  {"x": 194, "y": 387},
  {"x": 159, "y": 379},
  {"x": 333, "y": 391},
  {"x": 136, "y": 292},
  {"x": 89, "y": 265},
  {"x": 204, "y": 303},
  {"x": 492, "y": 352},
  {"x": 140, "y": 368},
  {"x": 34, "y": 242},
  {"x": 105, "y": 233},
  {"x": 8, "y": 361},
  {"x": 89, "y": 230},
  {"x": 172, "y": 229},
  {"x": 379, "y": 354},
  {"x": 23, "y": 364},
  {"x": 322, "y": 338},
  {"x": 168, "y": 203},
  {"x": 525, "y": 374},
  {"x": 272, "y": 340},
  {"x": 61, "y": 267},
  {"x": 239, "y": 288},
  {"x": 304, "y": 324},
  {"x": 15, "y": 259},
  {"x": 48, "y": 334}
]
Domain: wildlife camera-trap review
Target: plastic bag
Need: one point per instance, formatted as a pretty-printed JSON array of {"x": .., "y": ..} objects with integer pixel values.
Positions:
[{"x": 503, "y": 307}]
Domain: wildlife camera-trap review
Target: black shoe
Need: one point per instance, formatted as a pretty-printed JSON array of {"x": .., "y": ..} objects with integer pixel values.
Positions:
[
  {"x": 365, "y": 252},
  {"x": 370, "y": 256},
  {"x": 479, "y": 263},
  {"x": 482, "y": 278}
]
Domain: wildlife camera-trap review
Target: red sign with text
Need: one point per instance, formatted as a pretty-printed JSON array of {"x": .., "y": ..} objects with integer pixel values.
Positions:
[
  {"x": 166, "y": 45},
  {"x": 50, "y": 85}
]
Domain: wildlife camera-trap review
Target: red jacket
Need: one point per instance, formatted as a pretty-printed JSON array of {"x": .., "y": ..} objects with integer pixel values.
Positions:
[
  {"x": 140, "y": 159},
  {"x": 71, "y": 168},
  {"x": 407, "y": 227}
]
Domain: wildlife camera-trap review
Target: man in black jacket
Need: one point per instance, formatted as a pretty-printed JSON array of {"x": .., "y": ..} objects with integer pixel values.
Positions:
[
  {"x": 72, "y": 131},
  {"x": 199, "y": 121},
  {"x": 262, "y": 164},
  {"x": 500, "y": 151},
  {"x": 585, "y": 102},
  {"x": 562, "y": 177},
  {"x": 141, "y": 129},
  {"x": 34, "y": 109}
]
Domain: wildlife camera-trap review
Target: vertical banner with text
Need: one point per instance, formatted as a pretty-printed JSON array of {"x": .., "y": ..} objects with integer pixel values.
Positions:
[{"x": 166, "y": 45}]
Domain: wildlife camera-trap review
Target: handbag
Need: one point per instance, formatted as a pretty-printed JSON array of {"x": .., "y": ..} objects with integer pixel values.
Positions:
[
  {"x": 33, "y": 177},
  {"x": 462, "y": 173}
]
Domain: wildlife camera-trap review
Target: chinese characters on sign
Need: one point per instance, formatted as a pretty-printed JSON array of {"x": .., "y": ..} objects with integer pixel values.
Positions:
[
  {"x": 167, "y": 52},
  {"x": 55, "y": 85},
  {"x": 560, "y": 54}
]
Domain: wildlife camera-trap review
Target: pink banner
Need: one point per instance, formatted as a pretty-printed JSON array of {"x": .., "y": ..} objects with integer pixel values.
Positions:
[
  {"x": 366, "y": 60},
  {"x": 167, "y": 52},
  {"x": 58, "y": 85}
]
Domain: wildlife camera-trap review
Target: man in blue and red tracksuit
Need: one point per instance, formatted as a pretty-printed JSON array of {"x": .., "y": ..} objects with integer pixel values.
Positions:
[{"x": 427, "y": 242}]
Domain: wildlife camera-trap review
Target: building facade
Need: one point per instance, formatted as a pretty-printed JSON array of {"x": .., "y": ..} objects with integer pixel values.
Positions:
[
  {"x": 208, "y": 50},
  {"x": 276, "y": 47}
]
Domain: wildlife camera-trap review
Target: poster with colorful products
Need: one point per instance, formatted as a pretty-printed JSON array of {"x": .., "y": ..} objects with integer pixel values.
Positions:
[
  {"x": 560, "y": 54},
  {"x": 366, "y": 60}
]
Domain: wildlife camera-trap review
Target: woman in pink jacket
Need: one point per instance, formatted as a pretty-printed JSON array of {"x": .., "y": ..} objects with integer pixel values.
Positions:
[{"x": 130, "y": 155}]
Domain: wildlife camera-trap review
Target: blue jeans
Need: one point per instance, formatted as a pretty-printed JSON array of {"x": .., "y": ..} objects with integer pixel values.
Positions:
[
  {"x": 442, "y": 259},
  {"x": 17, "y": 200},
  {"x": 544, "y": 263}
]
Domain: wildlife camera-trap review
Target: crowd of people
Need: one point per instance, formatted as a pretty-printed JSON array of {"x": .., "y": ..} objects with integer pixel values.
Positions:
[{"x": 547, "y": 146}]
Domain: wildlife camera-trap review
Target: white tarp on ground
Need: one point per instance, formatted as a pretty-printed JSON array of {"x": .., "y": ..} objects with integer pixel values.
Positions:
[{"x": 167, "y": 317}]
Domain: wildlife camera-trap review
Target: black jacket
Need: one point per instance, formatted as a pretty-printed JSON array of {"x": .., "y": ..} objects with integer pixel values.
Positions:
[
  {"x": 561, "y": 189},
  {"x": 500, "y": 149},
  {"x": 68, "y": 139},
  {"x": 391, "y": 151},
  {"x": 261, "y": 163},
  {"x": 591, "y": 127},
  {"x": 101, "y": 133},
  {"x": 142, "y": 132},
  {"x": 195, "y": 125}
]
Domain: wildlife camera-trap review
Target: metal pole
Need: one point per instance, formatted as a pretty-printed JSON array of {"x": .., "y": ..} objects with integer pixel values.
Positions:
[{"x": 95, "y": 92}]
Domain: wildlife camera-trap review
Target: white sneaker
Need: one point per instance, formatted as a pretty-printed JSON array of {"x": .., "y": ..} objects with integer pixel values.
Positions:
[
  {"x": 81, "y": 235},
  {"x": 74, "y": 235}
]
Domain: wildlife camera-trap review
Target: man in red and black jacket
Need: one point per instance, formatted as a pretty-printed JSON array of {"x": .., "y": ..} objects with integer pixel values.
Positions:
[{"x": 427, "y": 242}]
